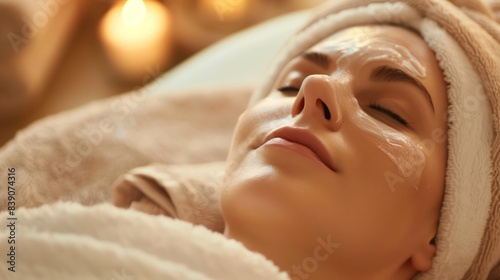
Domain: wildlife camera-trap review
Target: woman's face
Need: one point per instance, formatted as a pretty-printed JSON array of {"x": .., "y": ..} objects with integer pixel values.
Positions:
[{"x": 340, "y": 171}]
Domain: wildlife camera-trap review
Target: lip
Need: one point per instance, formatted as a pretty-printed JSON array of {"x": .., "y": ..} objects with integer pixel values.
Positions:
[{"x": 304, "y": 138}]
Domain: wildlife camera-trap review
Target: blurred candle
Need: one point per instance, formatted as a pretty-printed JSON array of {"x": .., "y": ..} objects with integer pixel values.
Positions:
[
  {"x": 224, "y": 10},
  {"x": 137, "y": 37}
]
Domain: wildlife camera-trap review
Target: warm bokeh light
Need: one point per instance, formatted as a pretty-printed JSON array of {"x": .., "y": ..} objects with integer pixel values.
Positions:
[
  {"x": 136, "y": 41},
  {"x": 134, "y": 12},
  {"x": 225, "y": 10}
]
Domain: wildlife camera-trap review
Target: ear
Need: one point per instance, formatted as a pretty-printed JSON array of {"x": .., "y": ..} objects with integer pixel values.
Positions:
[{"x": 421, "y": 260}]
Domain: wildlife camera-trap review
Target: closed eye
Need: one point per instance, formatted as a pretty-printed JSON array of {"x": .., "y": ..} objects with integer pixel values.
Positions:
[
  {"x": 388, "y": 112},
  {"x": 288, "y": 89}
]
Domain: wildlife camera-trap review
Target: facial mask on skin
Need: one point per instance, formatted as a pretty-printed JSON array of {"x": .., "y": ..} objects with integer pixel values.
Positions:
[
  {"x": 368, "y": 49},
  {"x": 407, "y": 155}
]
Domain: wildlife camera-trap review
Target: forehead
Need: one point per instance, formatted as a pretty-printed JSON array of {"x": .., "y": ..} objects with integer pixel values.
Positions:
[{"x": 395, "y": 38}]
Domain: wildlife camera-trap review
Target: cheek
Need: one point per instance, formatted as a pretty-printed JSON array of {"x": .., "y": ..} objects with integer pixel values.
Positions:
[
  {"x": 396, "y": 185},
  {"x": 403, "y": 151},
  {"x": 385, "y": 173}
]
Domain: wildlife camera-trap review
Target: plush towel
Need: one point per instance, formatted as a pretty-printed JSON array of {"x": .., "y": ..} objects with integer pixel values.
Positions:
[
  {"x": 495, "y": 6},
  {"x": 77, "y": 155},
  {"x": 70, "y": 241},
  {"x": 466, "y": 39},
  {"x": 187, "y": 192}
]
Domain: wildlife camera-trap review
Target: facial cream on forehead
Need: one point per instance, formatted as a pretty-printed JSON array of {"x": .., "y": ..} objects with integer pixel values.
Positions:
[{"x": 364, "y": 50}]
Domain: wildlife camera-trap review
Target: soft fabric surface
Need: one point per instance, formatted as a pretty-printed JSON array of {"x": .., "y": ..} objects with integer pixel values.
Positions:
[
  {"x": 466, "y": 39},
  {"x": 69, "y": 241},
  {"x": 187, "y": 192},
  {"x": 77, "y": 155}
]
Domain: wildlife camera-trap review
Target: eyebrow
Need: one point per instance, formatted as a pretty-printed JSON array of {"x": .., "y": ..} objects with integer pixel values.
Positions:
[
  {"x": 389, "y": 74},
  {"x": 318, "y": 58}
]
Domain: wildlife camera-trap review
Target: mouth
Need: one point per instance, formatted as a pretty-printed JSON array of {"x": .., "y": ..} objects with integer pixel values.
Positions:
[{"x": 301, "y": 140}]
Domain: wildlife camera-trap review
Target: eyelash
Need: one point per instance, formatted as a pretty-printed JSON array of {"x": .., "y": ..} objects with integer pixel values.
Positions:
[
  {"x": 373, "y": 105},
  {"x": 389, "y": 112},
  {"x": 288, "y": 88}
]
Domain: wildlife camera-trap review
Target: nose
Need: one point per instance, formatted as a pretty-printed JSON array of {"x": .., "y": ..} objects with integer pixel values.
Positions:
[{"x": 318, "y": 100}]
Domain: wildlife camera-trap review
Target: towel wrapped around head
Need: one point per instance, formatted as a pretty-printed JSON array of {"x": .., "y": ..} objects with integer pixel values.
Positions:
[{"x": 465, "y": 37}]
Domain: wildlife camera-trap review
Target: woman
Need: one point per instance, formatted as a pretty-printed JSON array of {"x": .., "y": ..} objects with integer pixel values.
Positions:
[
  {"x": 338, "y": 149},
  {"x": 371, "y": 152},
  {"x": 364, "y": 134}
]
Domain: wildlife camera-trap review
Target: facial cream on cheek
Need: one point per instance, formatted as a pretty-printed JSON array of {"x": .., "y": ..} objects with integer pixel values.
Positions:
[{"x": 402, "y": 150}]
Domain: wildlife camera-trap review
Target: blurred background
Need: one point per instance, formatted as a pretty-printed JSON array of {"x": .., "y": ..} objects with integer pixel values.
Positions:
[{"x": 56, "y": 55}]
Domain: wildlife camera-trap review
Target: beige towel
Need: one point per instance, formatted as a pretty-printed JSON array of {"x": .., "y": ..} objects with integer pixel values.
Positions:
[
  {"x": 186, "y": 192},
  {"x": 77, "y": 155},
  {"x": 67, "y": 241}
]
